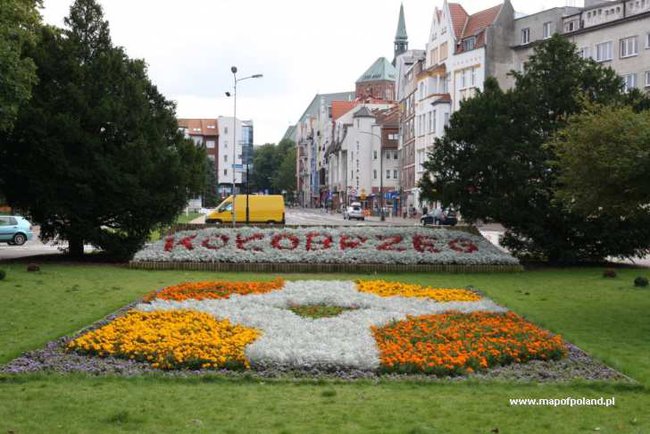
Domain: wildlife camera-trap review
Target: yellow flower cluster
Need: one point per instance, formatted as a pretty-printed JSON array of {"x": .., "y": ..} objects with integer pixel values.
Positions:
[
  {"x": 170, "y": 340},
  {"x": 393, "y": 289}
]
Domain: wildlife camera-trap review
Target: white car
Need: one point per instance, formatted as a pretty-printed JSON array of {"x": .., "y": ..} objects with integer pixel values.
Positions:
[{"x": 354, "y": 211}]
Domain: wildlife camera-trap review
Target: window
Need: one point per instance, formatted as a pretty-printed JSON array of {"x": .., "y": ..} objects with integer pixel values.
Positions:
[
  {"x": 584, "y": 52},
  {"x": 395, "y": 155},
  {"x": 395, "y": 174},
  {"x": 629, "y": 47},
  {"x": 463, "y": 81},
  {"x": 630, "y": 82},
  {"x": 647, "y": 41},
  {"x": 209, "y": 144},
  {"x": 647, "y": 79},
  {"x": 548, "y": 29},
  {"x": 473, "y": 80},
  {"x": 225, "y": 130},
  {"x": 433, "y": 126},
  {"x": 570, "y": 26},
  {"x": 388, "y": 155},
  {"x": 604, "y": 51},
  {"x": 525, "y": 36},
  {"x": 469, "y": 43},
  {"x": 374, "y": 155},
  {"x": 225, "y": 172},
  {"x": 374, "y": 174},
  {"x": 388, "y": 174},
  {"x": 225, "y": 158},
  {"x": 446, "y": 119}
]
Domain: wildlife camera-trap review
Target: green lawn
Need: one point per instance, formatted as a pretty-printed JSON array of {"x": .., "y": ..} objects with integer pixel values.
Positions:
[
  {"x": 182, "y": 218},
  {"x": 606, "y": 317}
]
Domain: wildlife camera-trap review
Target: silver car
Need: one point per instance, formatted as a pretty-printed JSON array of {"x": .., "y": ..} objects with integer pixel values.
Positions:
[{"x": 354, "y": 211}]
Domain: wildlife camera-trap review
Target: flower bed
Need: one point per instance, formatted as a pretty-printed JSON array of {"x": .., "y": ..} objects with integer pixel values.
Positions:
[
  {"x": 392, "y": 289},
  {"x": 323, "y": 325},
  {"x": 456, "y": 343},
  {"x": 170, "y": 340},
  {"x": 212, "y": 290},
  {"x": 345, "y": 245}
]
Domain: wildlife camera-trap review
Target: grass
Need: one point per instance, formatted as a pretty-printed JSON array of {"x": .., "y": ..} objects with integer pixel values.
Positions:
[
  {"x": 316, "y": 311},
  {"x": 182, "y": 218},
  {"x": 606, "y": 317}
]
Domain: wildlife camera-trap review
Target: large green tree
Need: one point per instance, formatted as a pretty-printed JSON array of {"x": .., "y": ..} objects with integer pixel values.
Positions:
[
  {"x": 265, "y": 165},
  {"x": 96, "y": 156},
  {"x": 494, "y": 164},
  {"x": 284, "y": 178},
  {"x": 604, "y": 160},
  {"x": 19, "y": 22}
]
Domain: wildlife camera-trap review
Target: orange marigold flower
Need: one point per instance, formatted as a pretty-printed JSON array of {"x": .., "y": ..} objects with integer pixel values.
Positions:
[
  {"x": 170, "y": 340},
  {"x": 455, "y": 343},
  {"x": 213, "y": 290}
]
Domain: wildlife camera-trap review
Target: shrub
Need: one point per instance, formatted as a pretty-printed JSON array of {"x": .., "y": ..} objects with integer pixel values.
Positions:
[
  {"x": 3, "y": 274},
  {"x": 641, "y": 282},
  {"x": 609, "y": 272}
]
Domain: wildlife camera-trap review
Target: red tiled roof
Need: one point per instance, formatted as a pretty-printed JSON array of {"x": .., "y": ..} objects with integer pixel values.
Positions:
[
  {"x": 339, "y": 108},
  {"x": 200, "y": 127},
  {"x": 480, "y": 20},
  {"x": 458, "y": 18}
]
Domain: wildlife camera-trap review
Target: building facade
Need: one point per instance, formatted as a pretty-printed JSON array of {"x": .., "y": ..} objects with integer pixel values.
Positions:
[{"x": 233, "y": 157}]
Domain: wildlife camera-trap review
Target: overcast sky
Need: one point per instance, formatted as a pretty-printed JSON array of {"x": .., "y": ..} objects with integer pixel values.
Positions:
[{"x": 302, "y": 48}]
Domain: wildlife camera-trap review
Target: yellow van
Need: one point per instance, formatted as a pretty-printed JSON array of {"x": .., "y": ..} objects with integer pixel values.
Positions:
[{"x": 261, "y": 209}]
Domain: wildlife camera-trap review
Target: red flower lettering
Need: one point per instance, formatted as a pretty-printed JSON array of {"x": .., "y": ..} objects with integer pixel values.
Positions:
[
  {"x": 391, "y": 243},
  {"x": 242, "y": 241},
  {"x": 220, "y": 242},
  {"x": 277, "y": 243},
  {"x": 318, "y": 241},
  {"x": 463, "y": 245},
  {"x": 351, "y": 241},
  {"x": 425, "y": 243},
  {"x": 185, "y": 242}
]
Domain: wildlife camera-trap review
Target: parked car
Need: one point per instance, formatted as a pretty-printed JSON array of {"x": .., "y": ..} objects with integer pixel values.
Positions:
[
  {"x": 447, "y": 218},
  {"x": 15, "y": 230},
  {"x": 354, "y": 211}
]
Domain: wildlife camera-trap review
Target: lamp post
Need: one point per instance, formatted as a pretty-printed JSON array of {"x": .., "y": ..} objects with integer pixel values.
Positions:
[
  {"x": 234, "y": 147},
  {"x": 382, "y": 217}
]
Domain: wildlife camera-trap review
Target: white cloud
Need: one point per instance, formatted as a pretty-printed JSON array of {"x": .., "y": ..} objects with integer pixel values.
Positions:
[{"x": 302, "y": 48}]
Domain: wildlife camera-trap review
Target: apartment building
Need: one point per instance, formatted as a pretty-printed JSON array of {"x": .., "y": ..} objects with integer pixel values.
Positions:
[{"x": 233, "y": 157}]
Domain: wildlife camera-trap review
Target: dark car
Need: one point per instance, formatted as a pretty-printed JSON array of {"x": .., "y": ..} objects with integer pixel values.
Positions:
[{"x": 448, "y": 218}]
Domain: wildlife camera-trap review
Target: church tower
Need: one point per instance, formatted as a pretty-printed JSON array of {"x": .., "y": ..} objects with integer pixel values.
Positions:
[{"x": 401, "y": 38}]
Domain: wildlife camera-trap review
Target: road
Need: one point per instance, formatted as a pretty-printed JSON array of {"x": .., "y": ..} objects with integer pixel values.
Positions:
[{"x": 294, "y": 216}]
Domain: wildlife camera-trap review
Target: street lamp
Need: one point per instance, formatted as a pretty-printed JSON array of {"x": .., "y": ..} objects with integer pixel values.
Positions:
[
  {"x": 382, "y": 217},
  {"x": 234, "y": 147}
]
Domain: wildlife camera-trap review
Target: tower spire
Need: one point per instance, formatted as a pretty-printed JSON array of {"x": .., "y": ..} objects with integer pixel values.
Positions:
[{"x": 401, "y": 38}]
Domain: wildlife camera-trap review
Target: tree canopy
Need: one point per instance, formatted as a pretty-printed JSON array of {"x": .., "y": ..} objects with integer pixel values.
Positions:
[
  {"x": 275, "y": 167},
  {"x": 96, "y": 156},
  {"x": 494, "y": 164},
  {"x": 19, "y": 21},
  {"x": 604, "y": 159}
]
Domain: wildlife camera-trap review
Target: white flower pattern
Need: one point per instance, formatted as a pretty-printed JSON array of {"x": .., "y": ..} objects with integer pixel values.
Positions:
[{"x": 342, "y": 342}]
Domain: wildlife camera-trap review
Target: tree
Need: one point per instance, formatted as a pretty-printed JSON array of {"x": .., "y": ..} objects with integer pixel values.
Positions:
[
  {"x": 284, "y": 178},
  {"x": 19, "y": 21},
  {"x": 604, "y": 160},
  {"x": 265, "y": 164},
  {"x": 493, "y": 162},
  {"x": 210, "y": 193},
  {"x": 96, "y": 156}
]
